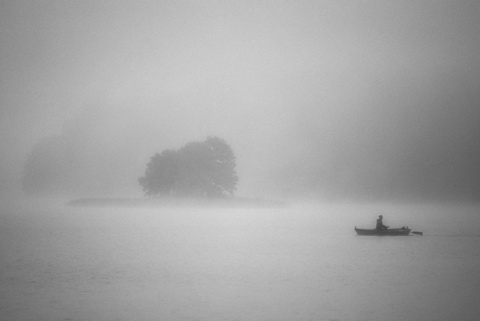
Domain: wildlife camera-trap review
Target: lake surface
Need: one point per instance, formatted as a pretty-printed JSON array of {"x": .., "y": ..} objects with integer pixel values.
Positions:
[{"x": 302, "y": 262}]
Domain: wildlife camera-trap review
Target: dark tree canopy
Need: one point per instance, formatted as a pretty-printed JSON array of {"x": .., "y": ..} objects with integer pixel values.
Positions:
[
  {"x": 161, "y": 173},
  {"x": 200, "y": 169}
]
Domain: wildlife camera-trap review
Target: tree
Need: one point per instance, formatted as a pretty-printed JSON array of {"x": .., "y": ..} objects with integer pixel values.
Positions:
[
  {"x": 161, "y": 173},
  {"x": 200, "y": 169}
]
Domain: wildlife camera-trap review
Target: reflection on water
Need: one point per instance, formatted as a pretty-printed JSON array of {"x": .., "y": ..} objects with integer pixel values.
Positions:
[{"x": 293, "y": 263}]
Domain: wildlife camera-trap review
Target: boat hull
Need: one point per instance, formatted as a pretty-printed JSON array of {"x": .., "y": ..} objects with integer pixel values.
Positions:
[{"x": 388, "y": 232}]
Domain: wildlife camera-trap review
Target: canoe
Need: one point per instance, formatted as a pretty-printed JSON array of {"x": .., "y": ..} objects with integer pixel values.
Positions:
[{"x": 390, "y": 231}]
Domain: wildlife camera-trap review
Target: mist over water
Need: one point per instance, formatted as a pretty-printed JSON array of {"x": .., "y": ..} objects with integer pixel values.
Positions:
[
  {"x": 298, "y": 262},
  {"x": 340, "y": 110}
]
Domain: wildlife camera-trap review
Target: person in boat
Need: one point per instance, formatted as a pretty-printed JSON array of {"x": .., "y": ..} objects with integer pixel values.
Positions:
[{"x": 380, "y": 225}]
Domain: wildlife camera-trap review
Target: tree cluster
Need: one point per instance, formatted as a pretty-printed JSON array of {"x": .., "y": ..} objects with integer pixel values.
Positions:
[
  {"x": 198, "y": 169},
  {"x": 86, "y": 158}
]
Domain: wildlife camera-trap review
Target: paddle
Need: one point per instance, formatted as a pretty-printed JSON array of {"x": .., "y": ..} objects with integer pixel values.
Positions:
[{"x": 417, "y": 232}]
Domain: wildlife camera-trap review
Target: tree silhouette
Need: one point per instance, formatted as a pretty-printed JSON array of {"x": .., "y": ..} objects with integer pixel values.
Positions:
[
  {"x": 161, "y": 174},
  {"x": 199, "y": 169}
]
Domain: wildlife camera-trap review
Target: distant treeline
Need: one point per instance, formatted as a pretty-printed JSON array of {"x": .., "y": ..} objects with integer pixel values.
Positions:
[{"x": 66, "y": 165}]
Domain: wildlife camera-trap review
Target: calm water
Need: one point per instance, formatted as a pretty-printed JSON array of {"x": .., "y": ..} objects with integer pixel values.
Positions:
[{"x": 295, "y": 263}]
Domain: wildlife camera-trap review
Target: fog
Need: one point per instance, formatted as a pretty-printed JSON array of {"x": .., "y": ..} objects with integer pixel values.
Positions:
[{"x": 335, "y": 100}]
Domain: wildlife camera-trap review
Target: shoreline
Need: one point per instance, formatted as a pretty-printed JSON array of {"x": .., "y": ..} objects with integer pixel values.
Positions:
[{"x": 175, "y": 202}]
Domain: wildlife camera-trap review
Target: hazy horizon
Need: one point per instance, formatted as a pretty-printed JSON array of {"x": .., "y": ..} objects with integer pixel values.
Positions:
[{"x": 343, "y": 100}]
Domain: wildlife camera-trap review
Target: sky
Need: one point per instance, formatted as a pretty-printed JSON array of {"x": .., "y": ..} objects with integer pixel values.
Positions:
[{"x": 332, "y": 100}]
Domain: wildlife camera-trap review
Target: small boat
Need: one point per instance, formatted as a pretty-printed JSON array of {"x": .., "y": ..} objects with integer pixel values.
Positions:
[{"x": 391, "y": 231}]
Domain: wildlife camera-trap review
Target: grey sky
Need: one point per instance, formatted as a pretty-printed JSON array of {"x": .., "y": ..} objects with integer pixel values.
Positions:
[{"x": 330, "y": 98}]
